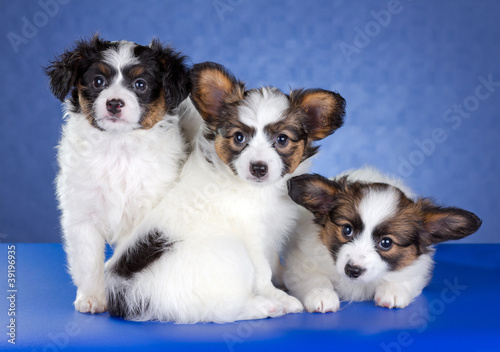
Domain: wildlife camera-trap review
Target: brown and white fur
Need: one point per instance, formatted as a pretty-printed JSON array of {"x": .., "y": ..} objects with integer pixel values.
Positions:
[
  {"x": 206, "y": 252},
  {"x": 120, "y": 148},
  {"x": 373, "y": 240}
]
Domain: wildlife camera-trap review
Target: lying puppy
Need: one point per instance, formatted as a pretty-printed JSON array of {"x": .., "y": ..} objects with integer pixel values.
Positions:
[
  {"x": 120, "y": 149},
  {"x": 205, "y": 254},
  {"x": 373, "y": 241}
]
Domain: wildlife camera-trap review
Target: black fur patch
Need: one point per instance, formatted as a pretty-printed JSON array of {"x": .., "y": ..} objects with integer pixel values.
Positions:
[
  {"x": 142, "y": 254},
  {"x": 65, "y": 71},
  {"x": 117, "y": 305},
  {"x": 173, "y": 71}
]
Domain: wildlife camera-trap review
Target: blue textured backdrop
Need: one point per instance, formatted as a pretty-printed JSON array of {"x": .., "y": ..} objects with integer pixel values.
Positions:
[{"x": 421, "y": 79}]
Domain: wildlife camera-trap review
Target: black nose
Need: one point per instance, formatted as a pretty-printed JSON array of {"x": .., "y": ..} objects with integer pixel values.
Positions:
[
  {"x": 258, "y": 169},
  {"x": 354, "y": 271},
  {"x": 115, "y": 106}
]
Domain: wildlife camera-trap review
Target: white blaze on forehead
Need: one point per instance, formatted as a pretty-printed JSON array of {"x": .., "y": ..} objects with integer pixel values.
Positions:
[
  {"x": 262, "y": 108},
  {"x": 119, "y": 58},
  {"x": 376, "y": 206},
  {"x": 122, "y": 56}
]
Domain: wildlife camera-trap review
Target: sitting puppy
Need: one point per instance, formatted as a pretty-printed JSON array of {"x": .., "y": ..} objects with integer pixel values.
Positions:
[
  {"x": 205, "y": 254},
  {"x": 373, "y": 241},
  {"x": 120, "y": 149}
]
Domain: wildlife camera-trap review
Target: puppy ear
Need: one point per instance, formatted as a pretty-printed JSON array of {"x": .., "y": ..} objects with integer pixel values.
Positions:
[
  {"x": 212, "y": 85},
  {"x": 315, "y": 193},
  {"x": 325, "y": 111},
  {"x": 175, "y": 76},
  {"x": 443, "y": 224},
  {"x": 66, "y": 69}
]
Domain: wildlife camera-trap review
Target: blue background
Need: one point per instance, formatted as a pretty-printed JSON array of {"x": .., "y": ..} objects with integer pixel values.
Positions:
[{"x": 403, "y": 67}]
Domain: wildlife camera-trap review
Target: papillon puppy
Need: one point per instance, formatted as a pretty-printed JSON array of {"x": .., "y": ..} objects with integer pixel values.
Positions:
[
  {"x": 373, "y": 240},
  {"x": 121, "y": 147},
  {"x": 206, "y": 253}
]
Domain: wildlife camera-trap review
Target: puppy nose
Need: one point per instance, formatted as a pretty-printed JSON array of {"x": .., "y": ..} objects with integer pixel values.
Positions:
[
  {"x": 115, "y": 106},
  {"x": 258, "y": 169},
  {"x": 353, "y": 271}
]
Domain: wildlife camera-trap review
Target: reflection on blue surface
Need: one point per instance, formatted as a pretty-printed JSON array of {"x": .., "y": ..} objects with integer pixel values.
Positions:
[{"x": 459, "y": 310}]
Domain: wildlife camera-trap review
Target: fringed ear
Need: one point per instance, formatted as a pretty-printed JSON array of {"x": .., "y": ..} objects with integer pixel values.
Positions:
[
  {"x": 66, "y": 69},
  {"x": 315, "y": 193},
  {"x": 325, "y": 111},
  {"x": 212, "y": 85},
  {"x": 175, "y": 76},
  {"x": 443, "y": 224}
]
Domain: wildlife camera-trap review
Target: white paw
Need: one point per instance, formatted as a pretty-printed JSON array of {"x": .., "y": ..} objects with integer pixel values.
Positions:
[
  {"x": 90, "y": 304},
  {"x": 291, "y": 304},
  {"x": 392, "y": 296},
  {"x": 321, "y": 300},
  {"x": 263, "y": 307}
]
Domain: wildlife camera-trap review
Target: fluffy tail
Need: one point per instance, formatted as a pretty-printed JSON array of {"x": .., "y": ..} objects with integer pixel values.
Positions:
[{"x": 121, "y": 272}]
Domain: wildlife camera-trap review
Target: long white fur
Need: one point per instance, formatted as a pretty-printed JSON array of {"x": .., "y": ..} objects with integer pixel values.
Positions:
[
  {"x": 108, "y": 181},
  {"x": 226, "y": 233},
  {"x": 312, "y": 275}
]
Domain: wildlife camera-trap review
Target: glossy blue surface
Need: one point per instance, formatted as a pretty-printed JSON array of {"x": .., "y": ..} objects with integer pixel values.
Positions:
[
  {"x": 413, "y": 74},
  {"x": 458, "y": 311}
]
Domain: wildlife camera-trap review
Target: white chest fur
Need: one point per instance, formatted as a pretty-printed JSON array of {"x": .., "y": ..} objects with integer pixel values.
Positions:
[
  {"x": 212, "y": 202},
  {"x": 111, "y": 179}
]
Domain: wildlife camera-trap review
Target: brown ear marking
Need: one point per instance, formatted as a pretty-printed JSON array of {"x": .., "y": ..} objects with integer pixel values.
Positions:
[
  {"x": 212, "y": 86},
  {"x": 315, "y": 193},
  {"x": 325, "y": 110},
  {"x": 443, "y": 224}
]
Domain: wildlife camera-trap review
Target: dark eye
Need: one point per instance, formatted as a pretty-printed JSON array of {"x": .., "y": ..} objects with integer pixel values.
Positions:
[
  {"x": 282, "y": 140},
  {"x": 347, "y": 231},
  {"x": 140, "y": 85},
  {"x": 99, "y": 81},
  {"x": 385, "y": 244},
  {"x": 239, "y": 138}
]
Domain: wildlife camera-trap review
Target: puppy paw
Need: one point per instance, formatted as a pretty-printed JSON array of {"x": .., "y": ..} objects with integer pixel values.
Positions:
[
  {"x": 392, "y": 296},
  {"x": 90, "y": 304},
  {"x": 320, "y": 300},
  {"x": 263, "y": 307},
  {"x": 291, "y": 304}
]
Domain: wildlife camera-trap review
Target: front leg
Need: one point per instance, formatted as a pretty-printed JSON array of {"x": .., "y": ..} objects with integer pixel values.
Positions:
[
  {"x": 308, "y": 269},
  {"x": 264, "y": 287},
  {"x": 399, "y": 289},
  {"x": 392, "y": 295},
  {"x": 263, "y": 283},
  {"x": 85, "y": 254},
  {"x": 312, "y": 287}
]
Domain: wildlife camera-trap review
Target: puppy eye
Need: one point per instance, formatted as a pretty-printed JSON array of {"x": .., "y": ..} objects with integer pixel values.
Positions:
[
  {"x": 239, "y": 138},
  {"x": 347, "y": 231},
  {"x": 385, "y": 244},
  {"x": 99, "y": 82},
  {"x": 140, "y": 85},
  {"x": 282, "y": 140}
]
